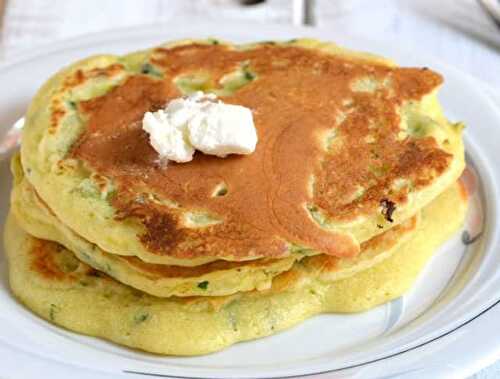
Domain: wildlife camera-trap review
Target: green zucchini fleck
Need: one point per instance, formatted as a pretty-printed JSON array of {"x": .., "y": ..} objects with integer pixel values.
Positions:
[
  {"x": 141, "y": 317},
  {"x": 149, "y": 69},
  {"x": 203, "y": 285},
  {"x": 52, "y": 312},
  {"x": 249, "y": 76},
  {"x": 297, "y": 249}
]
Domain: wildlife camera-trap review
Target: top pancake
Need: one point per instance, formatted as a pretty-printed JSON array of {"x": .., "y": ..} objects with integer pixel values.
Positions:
[{"x": 349, "y": 146}]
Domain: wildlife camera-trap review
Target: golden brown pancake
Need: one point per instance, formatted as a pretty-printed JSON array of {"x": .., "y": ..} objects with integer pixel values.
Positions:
[
  {"x": 54, "y": 284},
  {"x": 347, "y": 149},
  {"x": 215, "y": 278}
]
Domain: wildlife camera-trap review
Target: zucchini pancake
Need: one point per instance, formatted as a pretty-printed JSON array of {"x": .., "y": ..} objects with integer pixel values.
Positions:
[{"x": 351, "y": 187}]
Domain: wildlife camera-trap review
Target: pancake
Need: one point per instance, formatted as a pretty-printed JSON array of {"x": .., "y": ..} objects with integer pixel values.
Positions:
[
  {"x": 211, "y": 279},
  {"x": 52, "y": 282},
  {"x": 350, "y": 146}
]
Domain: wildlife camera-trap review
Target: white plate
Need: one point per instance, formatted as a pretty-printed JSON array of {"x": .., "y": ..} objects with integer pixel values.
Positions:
[{"x": 447, "y": 326}]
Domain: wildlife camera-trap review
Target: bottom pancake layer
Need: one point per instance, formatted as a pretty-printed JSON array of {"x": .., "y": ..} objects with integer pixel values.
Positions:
[{"x": 52, "y": 282}]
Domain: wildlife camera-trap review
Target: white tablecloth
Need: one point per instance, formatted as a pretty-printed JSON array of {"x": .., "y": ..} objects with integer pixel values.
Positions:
[{"x": 456, "y": 31}]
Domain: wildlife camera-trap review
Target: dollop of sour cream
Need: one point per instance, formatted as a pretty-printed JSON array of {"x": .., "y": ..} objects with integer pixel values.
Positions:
[{"x": 200, "y": 122}]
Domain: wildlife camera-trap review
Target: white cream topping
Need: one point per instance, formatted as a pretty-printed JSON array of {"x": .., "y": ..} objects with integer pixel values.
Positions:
[{"x": 200, "y": 122}]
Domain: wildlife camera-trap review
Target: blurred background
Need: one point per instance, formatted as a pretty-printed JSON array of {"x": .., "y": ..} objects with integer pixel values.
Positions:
[
  {"x": 460, "y": 32},
  {"x": 463, "y": 33}
]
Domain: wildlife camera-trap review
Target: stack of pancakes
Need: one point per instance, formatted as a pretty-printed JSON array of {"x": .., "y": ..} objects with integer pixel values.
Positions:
[{"x": 352, "y": 187}]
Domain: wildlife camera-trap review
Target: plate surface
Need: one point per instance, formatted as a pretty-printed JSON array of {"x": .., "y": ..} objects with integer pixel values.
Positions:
[{"x": 445, "y": 327}]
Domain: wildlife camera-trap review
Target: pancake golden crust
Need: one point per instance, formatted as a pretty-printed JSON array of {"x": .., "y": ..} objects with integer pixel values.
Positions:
[
  {"x": 58, "y": 110},
  {"x": 43, "y": 260},
  {"x": 339, "y": 136},
  {"x": 215, "y": 278}
]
